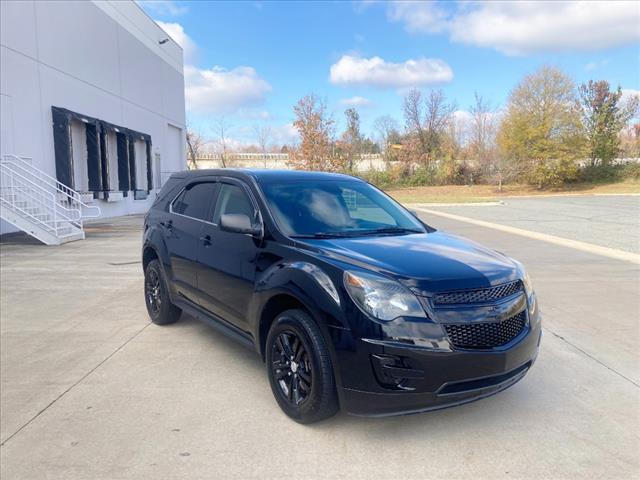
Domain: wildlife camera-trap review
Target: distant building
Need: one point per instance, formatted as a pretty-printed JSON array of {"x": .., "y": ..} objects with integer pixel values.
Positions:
[{"x": 93, "y": 93}]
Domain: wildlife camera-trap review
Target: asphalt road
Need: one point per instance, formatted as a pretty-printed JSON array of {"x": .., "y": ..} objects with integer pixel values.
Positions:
[
  {"x": 89, "y": 389},
  {"x": 607, "y": 220}
]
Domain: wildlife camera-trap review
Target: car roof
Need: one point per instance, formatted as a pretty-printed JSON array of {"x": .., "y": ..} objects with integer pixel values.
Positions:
[{"x": 265, "y": 175}]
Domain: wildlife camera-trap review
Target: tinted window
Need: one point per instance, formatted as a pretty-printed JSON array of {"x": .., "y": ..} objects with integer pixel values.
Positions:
[
  {"x": 330, "y": 207},
  {"x": 233, "y": 199},
  {"x": 195, "y": 200}
]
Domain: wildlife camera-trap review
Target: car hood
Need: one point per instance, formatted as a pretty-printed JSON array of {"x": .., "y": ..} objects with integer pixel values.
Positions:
[{"x": 426, "y": 263}]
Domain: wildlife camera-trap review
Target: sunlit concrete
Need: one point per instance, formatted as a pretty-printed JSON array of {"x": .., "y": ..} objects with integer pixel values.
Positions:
[{"x": 89, "y": 389}]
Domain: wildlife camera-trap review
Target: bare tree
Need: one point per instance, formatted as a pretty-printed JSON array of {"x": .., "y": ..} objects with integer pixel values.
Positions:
[
  {"x": 385, "y": 127},
  {"x": 263, "y": 137},
  {"x": 426, "y": 121},
  {"x": 483, "y": 129},
  {"x": 195, "y": 145},
  {"x": 438, "y": 114},
  {"x": 221, "y": 128}
]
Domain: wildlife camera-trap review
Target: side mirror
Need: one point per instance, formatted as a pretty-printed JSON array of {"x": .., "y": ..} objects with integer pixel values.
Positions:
[
  {"x": 238, "y": 223},
  {"x": 414, "y": 213}
]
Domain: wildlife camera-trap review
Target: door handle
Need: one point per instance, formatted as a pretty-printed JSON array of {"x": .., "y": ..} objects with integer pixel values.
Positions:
[
  {"x": 168, "y": 225},
  {"x": 206, "y": 240}
]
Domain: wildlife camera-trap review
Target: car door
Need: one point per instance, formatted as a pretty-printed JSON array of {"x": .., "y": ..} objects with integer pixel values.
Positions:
[
  {"x": 182, "y": 228},
  {"x": 227, "y": 260}
]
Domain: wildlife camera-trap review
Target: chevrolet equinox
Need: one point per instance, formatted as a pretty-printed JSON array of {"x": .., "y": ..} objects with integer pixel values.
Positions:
[{"x": 350, "y": 299}]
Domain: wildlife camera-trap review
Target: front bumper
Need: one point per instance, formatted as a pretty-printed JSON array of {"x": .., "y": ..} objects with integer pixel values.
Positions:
[{"x": 437, "y": 379}]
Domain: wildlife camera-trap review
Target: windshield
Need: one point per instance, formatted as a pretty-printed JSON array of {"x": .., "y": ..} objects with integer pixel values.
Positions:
[{"x": 325, "y": 208}]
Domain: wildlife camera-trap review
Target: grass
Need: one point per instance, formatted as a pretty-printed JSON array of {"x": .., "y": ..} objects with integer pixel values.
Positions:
[{"x": 490, "y": 193}]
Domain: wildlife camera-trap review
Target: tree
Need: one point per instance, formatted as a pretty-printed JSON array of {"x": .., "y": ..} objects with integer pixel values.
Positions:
[
  {"x": 351, "y": 141},
  {"x": 604, "y": 116},
  {"x": 426, "y": 120},
  {"x": 482, "y": 133},
  {"x": 195, "y": 145},
  {"x": 383, "y": 128},
  {"x": 630, "y": 141},
  {"x": 221, "y": 129},
  {"x": 387, "y": 131},
  {"x": 263, "y": 137},
  {"x": 315, "y": 127},
  {"x": 541, "y": 130},
  {"x": 369, "y": 146}
]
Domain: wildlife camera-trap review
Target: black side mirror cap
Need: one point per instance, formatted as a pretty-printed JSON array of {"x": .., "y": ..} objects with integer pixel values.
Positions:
[{"x": 238, "y": 223}]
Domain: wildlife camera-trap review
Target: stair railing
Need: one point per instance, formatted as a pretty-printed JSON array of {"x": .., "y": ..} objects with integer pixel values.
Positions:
[{"x": 62, "y": 193}]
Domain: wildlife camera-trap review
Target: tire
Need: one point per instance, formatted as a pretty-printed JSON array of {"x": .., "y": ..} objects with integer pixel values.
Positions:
[
  {"x": 156, "y": 296},
  {"x": 305, "y": 387}
]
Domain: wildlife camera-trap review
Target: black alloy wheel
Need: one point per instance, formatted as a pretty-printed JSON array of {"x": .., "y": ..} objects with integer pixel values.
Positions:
[
  {"x": 152, "y": 291},
  {"x": 300, "y": 368},
  {"x": 291, "y": 367},
  {"x": 156, "y": 296}
]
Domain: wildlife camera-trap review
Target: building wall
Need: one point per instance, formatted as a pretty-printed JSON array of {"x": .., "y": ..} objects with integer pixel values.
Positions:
[{"x": 98, "y": 58}]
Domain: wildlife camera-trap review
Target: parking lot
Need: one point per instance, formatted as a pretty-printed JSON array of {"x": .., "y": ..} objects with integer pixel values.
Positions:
[{"x": 91, "y": 389}]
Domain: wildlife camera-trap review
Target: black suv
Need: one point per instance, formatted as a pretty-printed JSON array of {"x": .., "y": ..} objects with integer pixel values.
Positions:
[{"x": 349, "y": 298}]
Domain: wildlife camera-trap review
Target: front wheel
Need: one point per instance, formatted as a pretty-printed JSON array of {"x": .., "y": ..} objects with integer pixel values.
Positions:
[{"x": 299, "y": 368}]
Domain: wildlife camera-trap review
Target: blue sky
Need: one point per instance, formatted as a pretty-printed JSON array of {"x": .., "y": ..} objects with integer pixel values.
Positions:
[{"x": 251, "y": 61}]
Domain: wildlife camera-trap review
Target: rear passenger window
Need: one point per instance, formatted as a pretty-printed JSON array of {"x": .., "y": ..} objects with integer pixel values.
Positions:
[
  {"x": 233, "y": 199},
  {"x": 195, "y": 200}
]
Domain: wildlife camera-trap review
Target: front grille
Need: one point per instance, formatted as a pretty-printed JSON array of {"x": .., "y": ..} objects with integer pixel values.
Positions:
[
  {"x": 478, "y": 296},
  {"x": 486, "y": 334}
]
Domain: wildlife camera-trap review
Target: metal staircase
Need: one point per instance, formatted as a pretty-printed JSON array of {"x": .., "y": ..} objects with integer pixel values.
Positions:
[{"x": 40, "y": 205}]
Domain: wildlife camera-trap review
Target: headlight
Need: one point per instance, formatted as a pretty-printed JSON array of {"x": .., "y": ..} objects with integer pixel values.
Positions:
[
  {"x": 528, "y": 286},
  {"x": 381, "y": 297}
]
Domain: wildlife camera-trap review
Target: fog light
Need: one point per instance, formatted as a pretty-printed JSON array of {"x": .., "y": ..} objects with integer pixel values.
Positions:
[{"x": 392, "y": 372}]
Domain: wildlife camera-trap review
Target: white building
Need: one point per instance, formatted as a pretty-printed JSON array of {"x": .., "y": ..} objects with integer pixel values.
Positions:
[{"x": 109, "y": 81}]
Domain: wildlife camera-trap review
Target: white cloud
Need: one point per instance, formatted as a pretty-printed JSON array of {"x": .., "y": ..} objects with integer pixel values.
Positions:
[
  {"x": 418, "y": 17},
  {"x": 356, "y": 102},
  {"x": 462, "y": 116},
  {"x": 374, "y": 71},
  {"x": 286, "y": 134},
  {"x": 163, "y": 7},
  {"x": 596, "y": 65},
  {"x": 220, "y": 91},
  {"x": 525, "y": 27},
  {"x": 177, "y": 33},
  {"x": 217, "y": 90}
]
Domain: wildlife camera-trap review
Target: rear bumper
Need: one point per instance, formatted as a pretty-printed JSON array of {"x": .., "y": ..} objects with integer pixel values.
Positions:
[{"x": 439, "y": 379}]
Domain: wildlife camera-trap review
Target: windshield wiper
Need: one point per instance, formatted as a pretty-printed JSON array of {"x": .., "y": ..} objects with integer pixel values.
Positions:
[
  {"x": 391, "y": 230},
  {"x": 325, "y": 235}
]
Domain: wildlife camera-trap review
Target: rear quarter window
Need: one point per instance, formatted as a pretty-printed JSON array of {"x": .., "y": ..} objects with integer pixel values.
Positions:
[{"x": 167, "y": 192}]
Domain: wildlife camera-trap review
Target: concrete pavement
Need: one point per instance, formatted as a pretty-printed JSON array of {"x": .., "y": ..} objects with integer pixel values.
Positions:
[
  {"x": 89, "y": 389},
  {"x": 607, "y": 220}
]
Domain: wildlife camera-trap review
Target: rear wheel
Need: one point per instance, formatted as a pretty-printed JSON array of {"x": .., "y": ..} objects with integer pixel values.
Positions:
[
  {"x": 156, "y": 296},
  {"x": 299, "y": 368}
]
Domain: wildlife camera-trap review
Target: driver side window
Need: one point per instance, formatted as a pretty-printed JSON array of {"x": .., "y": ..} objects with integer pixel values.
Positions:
[{"x": 233, "y": 199}]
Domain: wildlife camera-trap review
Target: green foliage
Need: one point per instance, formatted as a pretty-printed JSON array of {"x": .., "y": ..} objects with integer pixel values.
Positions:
[
  {"x": 609, "y": 173},
  {"x": 541, "y": 130},
  {"x": 630, "y": 171},
  {"x": 603, "y": 118}
]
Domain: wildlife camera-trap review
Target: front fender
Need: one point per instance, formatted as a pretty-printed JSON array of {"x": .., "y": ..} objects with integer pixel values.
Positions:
[{"x": 307, "y": 282}]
